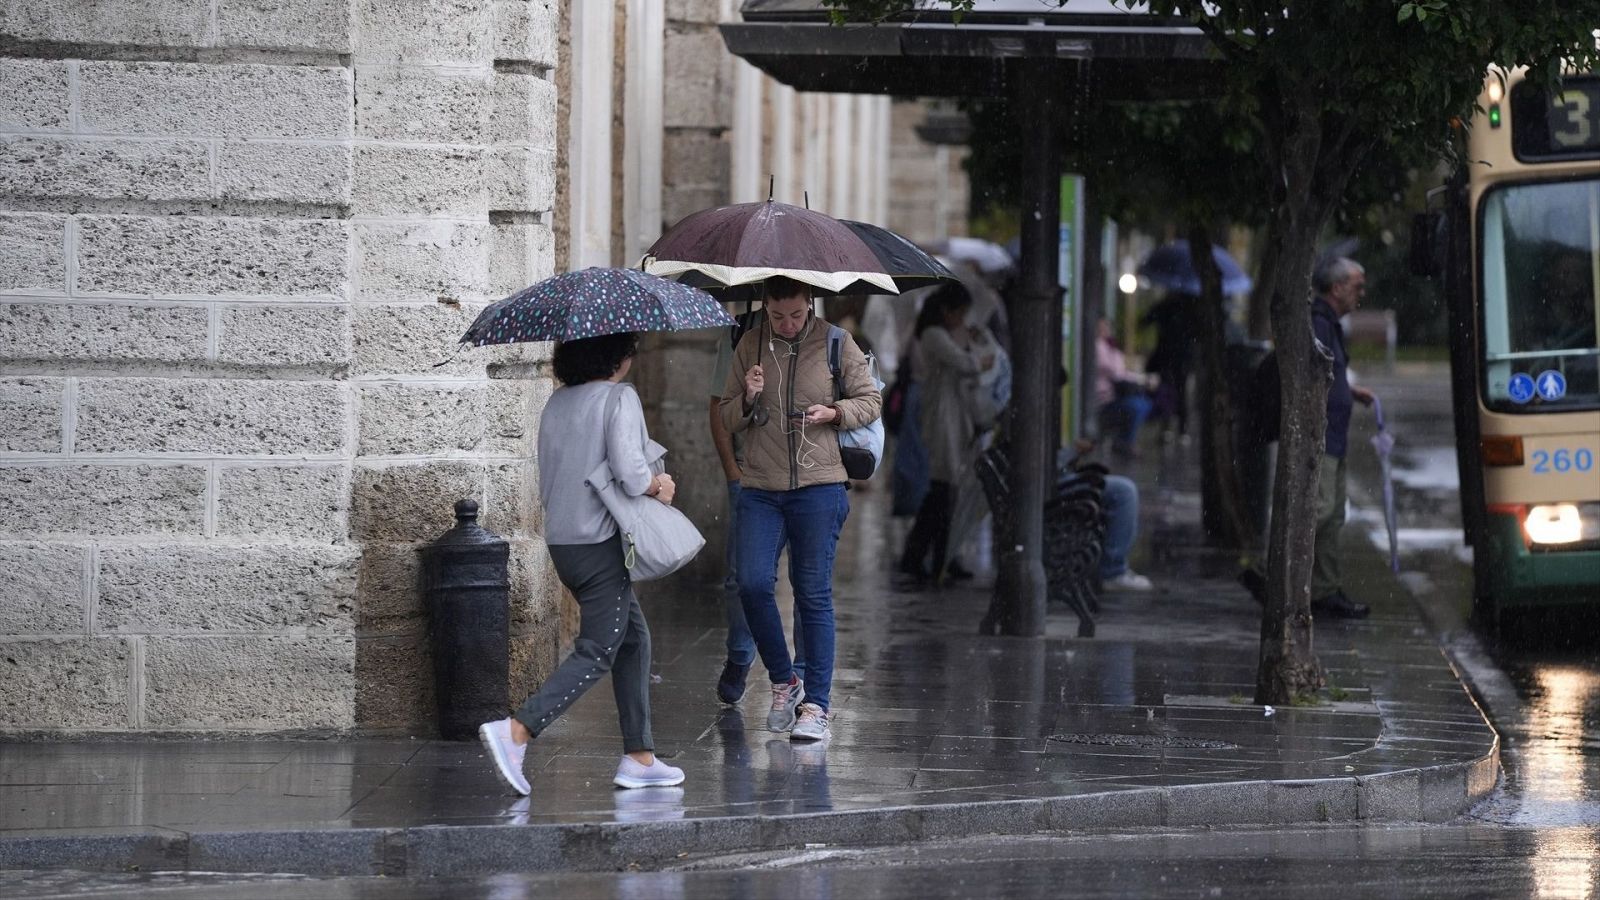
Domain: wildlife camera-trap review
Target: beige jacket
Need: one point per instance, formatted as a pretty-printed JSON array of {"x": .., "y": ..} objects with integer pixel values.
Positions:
[{"x": 781, "y": 454}]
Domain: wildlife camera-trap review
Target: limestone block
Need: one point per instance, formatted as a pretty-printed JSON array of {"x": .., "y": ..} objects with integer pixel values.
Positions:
[
  {"x": 420, "y": 105},
  {"x": 35, "y": 95},
  {"x": 526, "y": 31},
  {"x": 419, "y": 181},
  {"x": 271, "y": 335},
  {"x": 102, "y": 500},
  {"x": 194, "y": 255},
  {"x": 510, "y": 407},
  {"x": 157, "y": 23},
  {"x": 705, "y": 12},
  {"x": 285, "y": 24},
  {"x": 695, "y": 159},
  {"x": 104, "y": 169},
  {"x": 285, "y": 172},
  {"x": 423, "y": 261},
  {"x": 524, "y": 109},
  {"x": 696, "y": 95},
  {"x": 211, "y": 587},
  {"x": 169, "y": 99},
  {"x": 34, "y": 246},
  {"x": 521, "y": 180},
  {"x": 250, "y": 683},
  {"x": 453, "y": 32},
  {"x": 299, "y": 502},
  {"x": 681, "y": 201},
  {"x": 53, "y": 682},
  {"x": 410, "y": 502},
  {"x": 101, "y": 332},
  {"x": 512, "y": 508},
  {"x": 394, "y": 683},
  {"x": 535, "y": 588},
  {"x": 167, "y": 415},
  {"x": 43, "y": 591},
  {"x": 521, "y": 255},
  {"x": 389, "y": 589},
  {"x": 399, "y": 339},
  {"x": 420, "y": 420},
  {"x": 30, "y": 409}
]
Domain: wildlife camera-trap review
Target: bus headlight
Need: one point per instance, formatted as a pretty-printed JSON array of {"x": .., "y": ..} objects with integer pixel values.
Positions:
[{"x": 1563, "y": 523}]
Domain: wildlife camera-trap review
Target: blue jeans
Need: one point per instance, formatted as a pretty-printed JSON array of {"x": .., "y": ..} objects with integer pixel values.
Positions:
[
  {"x": 810, "y": 518},
  {"x": 741, "y": 646},
  {"x": 1121, "y": 499}
]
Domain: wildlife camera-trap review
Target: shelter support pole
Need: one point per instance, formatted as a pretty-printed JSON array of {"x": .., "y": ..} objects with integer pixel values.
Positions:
[{"x": 1020, "y": 589}]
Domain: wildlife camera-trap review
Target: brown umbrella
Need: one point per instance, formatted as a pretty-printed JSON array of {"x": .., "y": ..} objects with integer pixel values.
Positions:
[{"x": 751, "y": 242}]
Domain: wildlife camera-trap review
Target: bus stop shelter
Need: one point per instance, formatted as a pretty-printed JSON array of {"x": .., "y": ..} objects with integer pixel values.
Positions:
[{"x": 1049, "y": 62}]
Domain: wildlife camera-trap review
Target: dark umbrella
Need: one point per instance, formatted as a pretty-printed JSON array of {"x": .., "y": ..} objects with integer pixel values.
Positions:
[
  {"x": 1170, "y": 267},
  {"x": 748, "y": 243},
  {"x": 910, "y": 266},
  {"x": 592, "y": 302}
]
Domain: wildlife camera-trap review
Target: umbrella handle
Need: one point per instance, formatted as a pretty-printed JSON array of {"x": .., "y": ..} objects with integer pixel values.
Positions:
[{"x": 1377, "y": 410}]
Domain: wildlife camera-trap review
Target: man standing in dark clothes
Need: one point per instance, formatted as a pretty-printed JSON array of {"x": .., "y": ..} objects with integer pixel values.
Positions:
[{"x": 1339, "y": 286}]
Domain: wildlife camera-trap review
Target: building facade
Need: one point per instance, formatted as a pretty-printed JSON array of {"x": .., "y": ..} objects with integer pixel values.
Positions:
[{"x": 240, "y": 240}]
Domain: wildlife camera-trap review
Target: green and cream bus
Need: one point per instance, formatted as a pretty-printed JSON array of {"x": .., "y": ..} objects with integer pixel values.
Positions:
[{"x": 1518, "y": 244}]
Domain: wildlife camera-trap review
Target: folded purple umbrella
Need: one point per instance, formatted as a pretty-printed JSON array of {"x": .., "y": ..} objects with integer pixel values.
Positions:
[
  {"x": 592, "y": 302},
  {"x": 1383, "y": 442}
]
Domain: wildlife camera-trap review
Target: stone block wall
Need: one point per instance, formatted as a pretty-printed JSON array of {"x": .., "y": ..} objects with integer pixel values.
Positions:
[{"x": 241, "y": 238}]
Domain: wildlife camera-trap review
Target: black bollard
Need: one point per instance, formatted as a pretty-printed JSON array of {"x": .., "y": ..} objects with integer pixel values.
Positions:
[{"x": 468, "y": 589}]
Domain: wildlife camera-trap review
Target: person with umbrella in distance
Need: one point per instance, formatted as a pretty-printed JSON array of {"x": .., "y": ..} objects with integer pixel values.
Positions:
[
  {"x": 780, "y": 396},
  {"x": 594, "y": 423}
]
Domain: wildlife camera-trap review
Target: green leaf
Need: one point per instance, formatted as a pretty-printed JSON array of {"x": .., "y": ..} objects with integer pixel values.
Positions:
[{"x": 1407, "y": 10}]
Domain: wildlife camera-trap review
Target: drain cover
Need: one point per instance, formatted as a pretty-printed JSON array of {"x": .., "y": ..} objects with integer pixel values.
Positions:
[{"x": 1144, "y": 741}]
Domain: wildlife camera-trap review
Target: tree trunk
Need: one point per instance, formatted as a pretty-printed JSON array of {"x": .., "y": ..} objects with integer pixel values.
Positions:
[
  {"x": 1225, "y": 519},
  {"x": 1288, "y": 664}
]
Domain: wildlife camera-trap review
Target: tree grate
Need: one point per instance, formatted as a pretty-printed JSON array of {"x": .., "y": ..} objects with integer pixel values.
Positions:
[{"x": 1143, "y": 741}]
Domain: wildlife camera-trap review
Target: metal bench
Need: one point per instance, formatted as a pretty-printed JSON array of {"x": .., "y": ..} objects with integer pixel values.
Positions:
[{"x": 1074, "y": 534}]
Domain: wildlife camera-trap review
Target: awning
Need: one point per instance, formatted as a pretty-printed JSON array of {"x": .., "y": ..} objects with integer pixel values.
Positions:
[{"x": 1118, "y": 54}]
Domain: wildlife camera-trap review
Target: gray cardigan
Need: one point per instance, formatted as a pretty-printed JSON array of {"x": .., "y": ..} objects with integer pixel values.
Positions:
[{"x": 573, "y": 440}]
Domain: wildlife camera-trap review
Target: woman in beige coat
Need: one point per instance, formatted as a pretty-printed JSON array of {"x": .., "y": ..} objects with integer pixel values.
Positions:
[
  {"x": 947, "y": 367},
  {"x": 780, "y": 396}
]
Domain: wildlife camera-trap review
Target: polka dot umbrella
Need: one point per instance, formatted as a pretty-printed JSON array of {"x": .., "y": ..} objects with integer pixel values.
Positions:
[{"x": 592, "y": 302}]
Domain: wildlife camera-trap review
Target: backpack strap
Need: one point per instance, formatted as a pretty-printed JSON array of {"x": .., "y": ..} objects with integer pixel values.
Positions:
[{"x": 835, "y": 349}]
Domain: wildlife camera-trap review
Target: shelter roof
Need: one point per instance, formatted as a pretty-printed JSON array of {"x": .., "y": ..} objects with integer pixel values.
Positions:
[{"x": 1125, "y": 54}]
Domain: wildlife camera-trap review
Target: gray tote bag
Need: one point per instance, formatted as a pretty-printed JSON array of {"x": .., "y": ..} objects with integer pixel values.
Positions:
[{"x": 657, "y": 539}]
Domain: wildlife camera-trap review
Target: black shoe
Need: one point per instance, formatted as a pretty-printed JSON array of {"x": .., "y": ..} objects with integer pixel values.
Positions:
[
  {"x": 730, "y": 687},
  {"x": 1339, "y": 606},
  {"x": 957, "y": 572},
  {"x": 1255, "y": 583}
]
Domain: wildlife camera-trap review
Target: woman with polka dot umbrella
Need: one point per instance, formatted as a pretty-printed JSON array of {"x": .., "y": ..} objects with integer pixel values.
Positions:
[{"x": 594, "y": 302}]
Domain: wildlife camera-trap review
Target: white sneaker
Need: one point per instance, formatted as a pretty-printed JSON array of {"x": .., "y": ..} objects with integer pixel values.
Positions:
[
  {"x": 785, "y": 698},
  {"x": 812, "y": 725},
  {"x": 1129, "y": 580},
  {"x": 507, "y": 754},
  {"x": 658, "y": 774}
]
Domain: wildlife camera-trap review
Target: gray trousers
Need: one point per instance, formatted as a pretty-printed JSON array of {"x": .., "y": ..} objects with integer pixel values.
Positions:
[
  {"x": 1325, "y": 576},
  {"x": 612, "y": 637}
]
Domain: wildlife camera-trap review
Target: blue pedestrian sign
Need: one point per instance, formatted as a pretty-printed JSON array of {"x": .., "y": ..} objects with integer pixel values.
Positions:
[
  {"x": 1520, "y": 388},
  {"x": 1552, "y": 385}
]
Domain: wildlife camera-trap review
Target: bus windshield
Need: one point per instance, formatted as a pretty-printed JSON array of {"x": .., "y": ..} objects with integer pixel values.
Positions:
[{"x": 1541, "y": 296}]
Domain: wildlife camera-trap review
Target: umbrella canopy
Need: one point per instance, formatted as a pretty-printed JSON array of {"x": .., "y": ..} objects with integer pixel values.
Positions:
[
  {"x": 985, "y": 256},
  {"x": 592, "y": 302},
  {"x": 1169, "y": 267},
  {"x": 749, "y": 243},
  {"x": 1383, "y": 442},
  {"x": 910, "y": 266}
]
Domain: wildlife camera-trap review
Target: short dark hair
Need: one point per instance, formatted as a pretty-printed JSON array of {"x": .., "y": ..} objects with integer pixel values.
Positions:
[
  {"x": 590, "y": 359},
  {"x": 949, "y": 297},
  {"x": 779, "y": 287}
]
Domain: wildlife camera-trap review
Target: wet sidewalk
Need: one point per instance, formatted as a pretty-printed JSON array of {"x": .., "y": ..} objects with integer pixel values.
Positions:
[{"x": 938, "y": 732}]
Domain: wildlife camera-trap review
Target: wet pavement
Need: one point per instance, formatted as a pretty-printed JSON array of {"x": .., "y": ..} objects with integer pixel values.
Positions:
[{"x": 927, "y": 715}]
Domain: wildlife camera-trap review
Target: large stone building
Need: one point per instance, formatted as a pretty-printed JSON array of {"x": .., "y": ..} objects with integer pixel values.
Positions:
[{"x": 238, "y": 242}]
